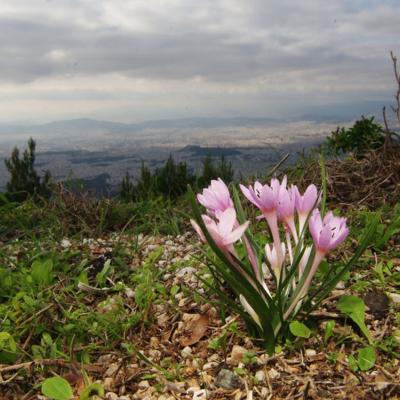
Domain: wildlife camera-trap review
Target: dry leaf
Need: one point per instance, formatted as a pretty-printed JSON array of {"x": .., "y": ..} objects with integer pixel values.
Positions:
[{"x": 195, "y": 327}]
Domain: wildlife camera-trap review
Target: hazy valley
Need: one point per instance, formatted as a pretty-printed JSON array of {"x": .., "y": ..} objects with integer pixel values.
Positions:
[{"x": 101, "y": 152}]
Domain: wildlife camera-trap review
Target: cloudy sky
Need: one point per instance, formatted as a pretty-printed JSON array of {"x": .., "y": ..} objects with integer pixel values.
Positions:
[{"x": 133, "y": 60}]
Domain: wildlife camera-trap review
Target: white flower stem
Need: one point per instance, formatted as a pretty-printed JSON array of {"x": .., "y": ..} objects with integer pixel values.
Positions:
[{"x": 317, "y": 260}]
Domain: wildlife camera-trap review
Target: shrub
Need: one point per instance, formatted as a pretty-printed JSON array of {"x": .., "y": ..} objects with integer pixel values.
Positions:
[
  {"x": 364, "y": 135},
  {"x": 25, "y": 181}
]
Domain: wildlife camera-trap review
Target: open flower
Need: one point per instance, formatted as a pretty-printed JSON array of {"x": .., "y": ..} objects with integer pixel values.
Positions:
[
  {"x": 327, "y": 233},
  {"x": 224, "y": 231},
  {"x": 265, "y": 197},
  {"x": 216, "y": 198}
]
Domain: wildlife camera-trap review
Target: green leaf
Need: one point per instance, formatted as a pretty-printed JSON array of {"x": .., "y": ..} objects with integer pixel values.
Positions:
[
  {"x": 353, "y": 364},
  {"x": 330, "y": 325},
  {"x": 57, "y": 388},
  {"x": 366, "y": 358},
  {"x": 354, "y": 307},
  {"x": 95, "y": 389},
  {"x": 299, "y": 329},
  {"x": 7, "y": 342},
  {"x": 42, "y": 272}
]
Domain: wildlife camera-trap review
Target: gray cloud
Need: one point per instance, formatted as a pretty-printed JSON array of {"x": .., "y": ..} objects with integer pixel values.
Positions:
[{"x": 259, "y": 46}]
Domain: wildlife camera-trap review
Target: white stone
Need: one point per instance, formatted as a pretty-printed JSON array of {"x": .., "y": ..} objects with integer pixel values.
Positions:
[
  {"x": 395, "y": 297},
  {"x": 310, "y": 352},
  {"x": 260, "y": 376},
  {"x": 143, "y": 385},
  {"x": 273, "y": 373},
  {"x": 186, "y": 352}
]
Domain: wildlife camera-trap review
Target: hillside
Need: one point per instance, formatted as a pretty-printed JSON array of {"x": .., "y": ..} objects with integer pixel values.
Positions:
[{"x": 117, "y": 293}]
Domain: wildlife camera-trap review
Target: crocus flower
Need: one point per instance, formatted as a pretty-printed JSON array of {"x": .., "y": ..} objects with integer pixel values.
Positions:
[
  {"x": 286, "y": 206},
  {"x": 273, "y": 260},
  {"x": 266, "y": 198},
  {"x": 216, "y": 198},
  {"x": 305, "y": 203},
  {"x": 224, "y": 231},
  {"x": 327, "y": 233}
]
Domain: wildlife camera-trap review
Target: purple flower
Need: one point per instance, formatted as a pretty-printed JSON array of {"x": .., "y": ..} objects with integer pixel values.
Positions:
[
  {"x": 329, "y": 232},
  {"x": 225, "y": 231},
  {"x": 265, "y": 197},
  {"x": 305, "y": 203},
  {"x": 286, "y": 206},
  {"x": 216, "y": 198}
]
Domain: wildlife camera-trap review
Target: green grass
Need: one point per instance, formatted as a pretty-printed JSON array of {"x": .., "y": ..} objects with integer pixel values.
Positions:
[{"x": 63, "y": 303}]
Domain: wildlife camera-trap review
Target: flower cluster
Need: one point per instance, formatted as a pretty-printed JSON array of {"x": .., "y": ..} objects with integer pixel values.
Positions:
[{"x": 288, "y": 213}]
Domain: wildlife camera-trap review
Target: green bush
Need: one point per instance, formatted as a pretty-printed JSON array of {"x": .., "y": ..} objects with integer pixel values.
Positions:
[
  {"x": 364, "y": 135},
  {"x": 25, "y": 181}
]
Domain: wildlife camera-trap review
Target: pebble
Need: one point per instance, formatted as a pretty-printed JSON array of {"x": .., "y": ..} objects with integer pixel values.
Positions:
[
  {"x": 210, "y": 365},
  {"x": 310, "y": 352},
  {"x": 395, "y": 297},
  {"x": 227, "y": 380},
  {"x": 273, "y": 373},
  {"x": 143, "y": 385},
  {"x": 260, "y": 376},
  {"x": 111, "y": 370},
  {"x": 237, "y": 354},
  {"x": 186, "y": 352},
  {"x": 198, "y": 394}
]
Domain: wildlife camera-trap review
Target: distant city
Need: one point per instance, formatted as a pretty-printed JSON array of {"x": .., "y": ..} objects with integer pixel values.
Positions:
[{"x": 100, "y": 153}]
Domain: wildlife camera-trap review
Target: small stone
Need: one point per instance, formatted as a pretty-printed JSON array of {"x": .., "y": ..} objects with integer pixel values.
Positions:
[
  {"x": 273, "y": 373},
  {"x": 227, "y": 380},
  {"x": 108, "y": 383},
  {"x": 111, "y": 370},
  {"x": 186, "y": 352},
  {"x": 111, "y": 395},
  {"x": 310, "y": 352},
  {"x": 340, "y": 285},
  {"x": 237, "y": 354},
  {"x": 395, "y": 297},
  {"x": 65, "y": 243},
  {"x": 143, "y": 385},
  {"x": 260, "y": 376},
  {"x": 210, "y": 365},
  {"x": 198, "y": 394}
]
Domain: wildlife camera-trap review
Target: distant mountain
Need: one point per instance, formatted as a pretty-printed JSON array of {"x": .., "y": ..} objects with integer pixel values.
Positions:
[{"x": 92, "y": 126}]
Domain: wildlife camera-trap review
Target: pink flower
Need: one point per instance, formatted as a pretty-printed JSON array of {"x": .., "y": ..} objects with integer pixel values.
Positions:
[
  {"x": 216, "y": 198},
  {"x": 327, "y": 233},
  {"x": 286, "y": 206},
  {"x": 265, "y": 197},
  {"x": 225, "y": 231},
  {"x": 306, "y": 203}
]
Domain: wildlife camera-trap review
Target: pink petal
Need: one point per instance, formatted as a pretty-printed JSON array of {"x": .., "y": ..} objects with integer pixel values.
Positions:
[
  {"x": 227, "y": 221},
  {"x": 235, "y": 235}
]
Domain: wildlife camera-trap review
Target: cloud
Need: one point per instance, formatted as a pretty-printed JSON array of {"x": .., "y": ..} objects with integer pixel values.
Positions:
[{"x": 259, "y": 50}]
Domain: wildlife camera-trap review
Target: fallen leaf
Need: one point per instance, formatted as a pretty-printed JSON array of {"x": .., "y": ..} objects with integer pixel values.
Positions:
[{"x": 195, "y": 327}]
